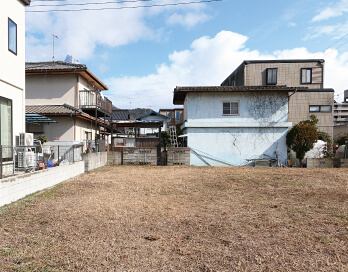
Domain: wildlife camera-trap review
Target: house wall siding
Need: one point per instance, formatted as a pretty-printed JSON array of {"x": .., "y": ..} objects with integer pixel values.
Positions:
[
  {"x": 12, "y": 67},
  {"x": 299, "y": 108},
  {"x": 288, "y": 74},
  {"x": 51, "y": 89},
  {"x": 259, "y": 130}
]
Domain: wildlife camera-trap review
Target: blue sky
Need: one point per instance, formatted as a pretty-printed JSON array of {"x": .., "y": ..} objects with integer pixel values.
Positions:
[{"x": 142, "y": 54}]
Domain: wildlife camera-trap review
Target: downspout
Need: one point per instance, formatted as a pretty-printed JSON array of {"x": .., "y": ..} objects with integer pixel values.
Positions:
[{"x": 77, "y": 103}]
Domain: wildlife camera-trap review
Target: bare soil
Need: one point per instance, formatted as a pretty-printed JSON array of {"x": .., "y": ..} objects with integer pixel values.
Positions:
[{"x": 141, "y": 218}]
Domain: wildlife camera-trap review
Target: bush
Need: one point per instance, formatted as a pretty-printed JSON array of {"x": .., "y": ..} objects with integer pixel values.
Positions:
[
  {"x": 42, "y": 138},
  {"x": 301, "y": 138}
]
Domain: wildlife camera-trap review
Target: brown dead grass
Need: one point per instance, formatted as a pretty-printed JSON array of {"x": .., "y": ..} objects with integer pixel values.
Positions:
[{"x": 182, "y": 219}]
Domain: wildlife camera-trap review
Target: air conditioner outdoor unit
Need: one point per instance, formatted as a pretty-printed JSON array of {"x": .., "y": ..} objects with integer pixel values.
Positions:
[
  {"x": 26, "y": 139},
  {"x": 26, "y": 159}
]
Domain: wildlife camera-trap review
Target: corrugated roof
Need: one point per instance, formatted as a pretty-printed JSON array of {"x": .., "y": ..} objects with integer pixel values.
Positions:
[
  {"x": 181, "y": 92},
  {"x": 51, "y": 109}
]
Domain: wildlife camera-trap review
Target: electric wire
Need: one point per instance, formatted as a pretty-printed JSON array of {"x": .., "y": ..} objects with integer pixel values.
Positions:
[
  {"x": 90, "y": 3},
  {"x": 126, "y": 7}
]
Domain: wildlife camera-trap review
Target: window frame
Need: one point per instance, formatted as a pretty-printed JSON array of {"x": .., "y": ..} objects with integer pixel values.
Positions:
[
  {"x": 320, "y": 110},
  {"x": 16, "y": 36},
  {"x": 230, "y": 114},
  {"x": 311, "y": 77},
  {"x": 272, "y": 82},
  {"x": 11, "y": 130}
]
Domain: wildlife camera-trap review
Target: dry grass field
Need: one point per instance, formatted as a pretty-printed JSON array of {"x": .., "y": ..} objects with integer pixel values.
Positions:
[{"x": 121, "y": 218}]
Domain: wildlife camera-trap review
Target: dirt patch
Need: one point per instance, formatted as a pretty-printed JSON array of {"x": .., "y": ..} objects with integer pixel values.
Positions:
[{"x": 146, "y": 218}]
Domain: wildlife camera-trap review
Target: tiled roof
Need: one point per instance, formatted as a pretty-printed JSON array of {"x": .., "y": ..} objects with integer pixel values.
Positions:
[
  {"x": 53, "y": 65},
  {"x": 181, "y": 92},
  {"x": 51, "y": 109},
  {"x": 118, "y": 115},
  {"x": 134, "y": 113}
]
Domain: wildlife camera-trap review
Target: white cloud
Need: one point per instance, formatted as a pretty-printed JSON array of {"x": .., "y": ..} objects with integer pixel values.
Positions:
[
  {"x": 190, "y": 19},
  {"x": 208, "y": 62},
  {"x": 332, "y": 10},
  {"x": 327, "y": 14},
  {"x": 81, "y": 32}
]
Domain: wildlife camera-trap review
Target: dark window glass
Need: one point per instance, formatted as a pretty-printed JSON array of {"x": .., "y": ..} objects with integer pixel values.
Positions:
[
  {"x": 306, "y": 75},
  {"x": 6, "y": 128},
  {"x": 12, "y": 36},
  {"x": 271, "y": 75},
  {"x": 230, "y": 108}
]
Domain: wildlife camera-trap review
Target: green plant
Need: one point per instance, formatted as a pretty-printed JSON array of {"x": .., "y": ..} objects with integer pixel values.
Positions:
[
  {"x": 301, "y": 137},
  {"x": 42, "y": 138},
  {"x": 342, "y": 140},
  {"x": 165, "y": 139}
]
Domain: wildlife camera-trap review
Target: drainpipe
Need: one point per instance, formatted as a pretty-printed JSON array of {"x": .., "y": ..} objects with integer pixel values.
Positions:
[{"x": 77, "y": 92}]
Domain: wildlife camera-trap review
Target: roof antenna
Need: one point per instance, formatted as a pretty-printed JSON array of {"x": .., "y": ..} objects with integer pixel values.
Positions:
[{"x": 53, "y": 37}]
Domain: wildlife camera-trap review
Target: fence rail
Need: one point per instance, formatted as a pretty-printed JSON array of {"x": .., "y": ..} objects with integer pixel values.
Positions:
[{"x": 29, "y": 158}]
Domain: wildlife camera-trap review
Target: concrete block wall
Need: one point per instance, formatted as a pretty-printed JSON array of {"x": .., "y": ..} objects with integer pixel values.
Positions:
[
  {"x": 140, "y": 156},
  {"x": 14, "y": 188},
  {"x": 114, "y": 158},
  {"x": 94, "y": 160},
  {"x": 178, "y": 156},
  {"x": 320, "y": 163},
  {"x": 343, "y": 163}
]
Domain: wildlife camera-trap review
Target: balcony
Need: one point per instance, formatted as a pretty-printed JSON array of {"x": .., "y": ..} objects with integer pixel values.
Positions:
[{"x": 94, "y": 103}]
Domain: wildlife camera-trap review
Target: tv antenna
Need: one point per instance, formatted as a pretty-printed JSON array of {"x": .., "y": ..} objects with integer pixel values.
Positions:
[{"x": 53, "y": 37}]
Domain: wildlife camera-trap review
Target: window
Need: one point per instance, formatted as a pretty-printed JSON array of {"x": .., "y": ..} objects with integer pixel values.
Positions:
[
  {"x": 271, "y": 76},
  {"x": 12, "y": 36},
  {"x": 6, "y": 127},
  {"x": 177, "y": 115},
  {"x": 230, "y": 108},
  {"x": 306, "y": 75},
  {"x": 320, "y": 108}
]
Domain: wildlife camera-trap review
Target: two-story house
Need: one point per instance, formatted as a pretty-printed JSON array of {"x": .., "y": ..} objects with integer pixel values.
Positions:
[
  {"x": 12, "y": 77},
  {"x": 70, "y": 94},
  {"x": 248, "y": 116},
  {"x": 176, "y": 115},
  {"x": 229, "y": 125},
  {"x": 307, "y": 73}
]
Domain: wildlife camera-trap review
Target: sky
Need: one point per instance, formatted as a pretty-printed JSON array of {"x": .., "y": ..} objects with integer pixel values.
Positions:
[{"x": 142, "y": 54}]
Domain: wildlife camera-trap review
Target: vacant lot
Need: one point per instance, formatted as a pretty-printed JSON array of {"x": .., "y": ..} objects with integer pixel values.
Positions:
[{"x": 182, "y": 219}]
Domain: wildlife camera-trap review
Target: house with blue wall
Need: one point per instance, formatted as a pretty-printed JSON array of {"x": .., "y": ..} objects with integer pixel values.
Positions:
[{"x": 231, "y": 125}]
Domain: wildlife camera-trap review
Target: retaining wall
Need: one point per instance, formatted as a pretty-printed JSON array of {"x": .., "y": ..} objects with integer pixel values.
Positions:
[
  {"x": 94, "y": 160},
  {"x": 320, "y": 163},
  {"x": 114, "y": 158},
  {"x": 14, "y": 188},
  {"x": 178, "y": 155},
  {"x": 139, "y": 156}
]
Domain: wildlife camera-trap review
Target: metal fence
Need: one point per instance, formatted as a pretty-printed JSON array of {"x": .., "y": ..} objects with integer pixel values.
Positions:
[{"x": 29, "y": 158}]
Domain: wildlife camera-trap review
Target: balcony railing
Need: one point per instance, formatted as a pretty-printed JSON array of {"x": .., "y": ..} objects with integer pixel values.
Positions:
[{"x": 90, "y": 100}]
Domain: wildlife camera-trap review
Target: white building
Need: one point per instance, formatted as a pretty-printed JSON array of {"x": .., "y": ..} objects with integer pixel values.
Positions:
[
  {"x": 228, "y": 125},
  {"x": 12, "y": 73}
]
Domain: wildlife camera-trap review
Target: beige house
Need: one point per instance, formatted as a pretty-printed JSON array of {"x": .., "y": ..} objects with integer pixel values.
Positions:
[
  {"x": 176, "y": 115},
  {"x": 303, "y": 73},
  {"x": 69, "y": 94}
]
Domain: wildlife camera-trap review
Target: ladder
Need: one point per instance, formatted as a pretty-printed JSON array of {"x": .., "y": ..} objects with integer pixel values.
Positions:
[{"x": 173, "y": 138}]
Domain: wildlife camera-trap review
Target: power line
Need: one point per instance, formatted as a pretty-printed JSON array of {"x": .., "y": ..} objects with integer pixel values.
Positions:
[
  {"x": 134, "y": 7},
  {"x": 85, "y": 4}
]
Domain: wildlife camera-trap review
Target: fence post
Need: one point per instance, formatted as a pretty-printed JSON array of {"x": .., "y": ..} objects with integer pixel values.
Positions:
[
  {"x": 73, "y": 153},
  {"x": 58, "y": 156},
  {"x": 1, "y": 161}
]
